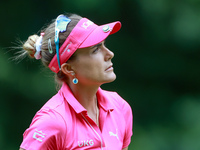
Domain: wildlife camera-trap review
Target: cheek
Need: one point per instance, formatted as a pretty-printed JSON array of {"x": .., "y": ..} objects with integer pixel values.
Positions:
[{"x": 90, "y": 70}]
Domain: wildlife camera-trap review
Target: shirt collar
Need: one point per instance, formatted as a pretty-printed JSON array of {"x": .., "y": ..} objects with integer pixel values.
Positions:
[
  {"x": 69, "y": 97},
  {"x": 104, "y": 100},
  {"x": 102, "y": 96}
]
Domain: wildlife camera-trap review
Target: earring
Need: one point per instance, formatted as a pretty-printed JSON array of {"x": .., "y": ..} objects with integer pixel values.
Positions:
[{"x": 75, "y": 80}]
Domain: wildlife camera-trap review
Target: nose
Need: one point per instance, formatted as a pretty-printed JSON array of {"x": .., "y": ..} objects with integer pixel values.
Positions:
[{"x": 109, "y": 54}]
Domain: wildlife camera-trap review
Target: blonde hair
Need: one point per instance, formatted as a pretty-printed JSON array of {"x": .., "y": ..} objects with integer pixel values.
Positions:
[{"x": 49, "y": 33}]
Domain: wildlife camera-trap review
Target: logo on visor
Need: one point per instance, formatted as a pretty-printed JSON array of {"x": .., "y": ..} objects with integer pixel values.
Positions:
[
  {"x": 106, "y": 28},
  {"x": 67, "y": 48},
  {"x": 87, "y": 24}
]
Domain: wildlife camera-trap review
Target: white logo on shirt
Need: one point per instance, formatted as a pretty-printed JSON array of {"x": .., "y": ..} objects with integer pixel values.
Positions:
[
  {"x": 87, "y": 24},
  {"x": 38, "y": 135},
  {"x": 112, "y": 134},
  {"x": 85, "y": 143}
]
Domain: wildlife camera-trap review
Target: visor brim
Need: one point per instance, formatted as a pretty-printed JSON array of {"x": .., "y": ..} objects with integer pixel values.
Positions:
[{"x": 99, "y": 35}]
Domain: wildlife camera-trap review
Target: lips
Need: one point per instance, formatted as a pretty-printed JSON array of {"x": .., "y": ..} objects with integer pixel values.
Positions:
[{"x": 110, "y": 67}]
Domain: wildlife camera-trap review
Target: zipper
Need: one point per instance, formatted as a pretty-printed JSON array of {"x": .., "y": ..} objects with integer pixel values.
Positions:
[{"x": 94, "y": 131}]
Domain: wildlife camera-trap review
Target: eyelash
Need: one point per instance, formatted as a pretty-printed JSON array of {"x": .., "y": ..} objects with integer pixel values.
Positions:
[{"x": 96, "y": 49}]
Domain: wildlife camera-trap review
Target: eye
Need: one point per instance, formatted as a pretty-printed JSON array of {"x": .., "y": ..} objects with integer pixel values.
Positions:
[
  {"x": 97, "y": 47},
  {"x": 96, "y": 50}
]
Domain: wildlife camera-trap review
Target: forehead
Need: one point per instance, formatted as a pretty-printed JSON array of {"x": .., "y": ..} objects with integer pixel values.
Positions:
[
  {"x": 85, "y": 51},
  {"x": 89, "y": 48},
  {"x": 99, "y": 44}
]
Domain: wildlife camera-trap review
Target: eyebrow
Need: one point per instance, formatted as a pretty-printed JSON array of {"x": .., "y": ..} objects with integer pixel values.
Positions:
[{"x": 98, "y": 44}]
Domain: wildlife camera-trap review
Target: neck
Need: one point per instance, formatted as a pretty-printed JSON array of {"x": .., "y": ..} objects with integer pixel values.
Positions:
[{"x": 86, "y": 95}]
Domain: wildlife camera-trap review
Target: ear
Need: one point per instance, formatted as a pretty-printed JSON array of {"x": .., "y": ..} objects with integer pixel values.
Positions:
[{"x": 66, "y": 69}]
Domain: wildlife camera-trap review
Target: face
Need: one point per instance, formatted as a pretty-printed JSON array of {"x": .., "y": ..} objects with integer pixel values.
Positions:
[{"x": 93, "y": 65}]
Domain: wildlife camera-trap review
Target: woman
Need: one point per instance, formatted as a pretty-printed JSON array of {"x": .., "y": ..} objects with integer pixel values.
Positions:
[{"x": 81, "y": 115}]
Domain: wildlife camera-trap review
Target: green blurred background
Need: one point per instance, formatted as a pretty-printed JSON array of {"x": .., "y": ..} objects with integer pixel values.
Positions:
[{"x": 157, "y": 59}]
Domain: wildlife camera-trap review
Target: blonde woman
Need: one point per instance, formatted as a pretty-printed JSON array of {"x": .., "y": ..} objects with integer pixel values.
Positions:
[{"x": 81, "y": 115}]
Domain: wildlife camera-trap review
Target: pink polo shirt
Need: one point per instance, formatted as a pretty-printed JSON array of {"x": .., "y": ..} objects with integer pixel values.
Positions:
[{"x": 63, "y": 124}]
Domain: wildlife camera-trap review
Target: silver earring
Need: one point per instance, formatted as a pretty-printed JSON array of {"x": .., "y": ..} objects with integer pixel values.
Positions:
[{"x": 75, "y": 80}]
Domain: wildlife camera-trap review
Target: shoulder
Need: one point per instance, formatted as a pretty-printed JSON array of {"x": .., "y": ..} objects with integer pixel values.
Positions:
[
  {"x": 47, "y": 129},
  {"x": 120, "y": 107},
  {"x": 49, "y": 119},
  {"x": 48, "y": 126},
  {"x": 51, "y": 114},
  {"x": 124, "y": 115},
  {"x": 56, "y": 106},
  {"x": 54, "y": 102},
  {"x": 116, "y": 100}
]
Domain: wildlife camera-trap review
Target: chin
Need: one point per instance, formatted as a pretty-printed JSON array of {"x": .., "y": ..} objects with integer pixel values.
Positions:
[{"x": 111, "y": 78}]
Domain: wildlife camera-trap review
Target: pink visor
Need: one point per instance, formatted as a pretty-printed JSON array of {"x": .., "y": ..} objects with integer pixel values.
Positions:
[{"x": 85, "y": 34}]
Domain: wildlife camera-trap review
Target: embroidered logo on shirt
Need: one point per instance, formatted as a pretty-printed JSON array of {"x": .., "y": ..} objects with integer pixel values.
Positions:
[
  {"x": 85, "y": 143},
  {"x": 114, "y": 134},
  {"x": 38, "y": 135}
]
